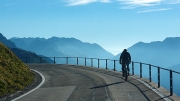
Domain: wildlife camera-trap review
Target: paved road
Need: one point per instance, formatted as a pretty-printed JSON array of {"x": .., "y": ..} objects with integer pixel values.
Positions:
[{"x": 78, "y": 83}]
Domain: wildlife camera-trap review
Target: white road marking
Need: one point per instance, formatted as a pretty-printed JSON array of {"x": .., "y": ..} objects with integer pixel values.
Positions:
[
  {"x": 94, "y": 96},
  {"x": 155, "y": 90},
  {"x": 129, "y": 96},
  {"x": 107, "y": 93},
  {"x": 43, "y": 80}
]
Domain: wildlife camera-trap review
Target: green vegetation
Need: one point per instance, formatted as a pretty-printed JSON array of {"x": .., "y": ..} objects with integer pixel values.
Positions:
[{"x": 14, "y": 74}]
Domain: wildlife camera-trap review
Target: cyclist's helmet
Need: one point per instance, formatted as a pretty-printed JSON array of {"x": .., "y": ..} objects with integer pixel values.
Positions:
[{"x": 125, "y": 50}]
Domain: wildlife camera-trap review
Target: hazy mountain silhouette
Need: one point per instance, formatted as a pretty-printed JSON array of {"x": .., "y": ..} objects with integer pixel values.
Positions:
[
  {"x": 160, "y": 53},
  {"x": 7, "y": 42},
  {"x": 22, "y": 54},
  {"x": 55, "y": 47}
]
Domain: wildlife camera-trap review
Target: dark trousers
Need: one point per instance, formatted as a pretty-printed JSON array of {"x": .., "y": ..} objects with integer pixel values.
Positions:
[{"x": 124, "y": 63}]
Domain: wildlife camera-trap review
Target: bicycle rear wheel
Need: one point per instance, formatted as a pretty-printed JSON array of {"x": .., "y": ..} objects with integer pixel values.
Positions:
[{"x": 126, "y": 75}]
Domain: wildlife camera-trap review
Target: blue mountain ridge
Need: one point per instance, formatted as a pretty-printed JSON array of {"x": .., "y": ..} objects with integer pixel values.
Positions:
[
  {"x": 60, "y": 47},
  {"x": 22, "y": 54},
  {"x": 7, "y": 42},
  {"x": 159, "y": 53}
]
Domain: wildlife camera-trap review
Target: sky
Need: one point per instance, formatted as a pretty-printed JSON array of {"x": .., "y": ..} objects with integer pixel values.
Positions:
[{"x": 113, "y": 24}]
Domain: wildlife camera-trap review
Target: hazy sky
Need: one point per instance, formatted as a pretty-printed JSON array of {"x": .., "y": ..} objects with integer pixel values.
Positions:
[{"x": 113, "y": 24}]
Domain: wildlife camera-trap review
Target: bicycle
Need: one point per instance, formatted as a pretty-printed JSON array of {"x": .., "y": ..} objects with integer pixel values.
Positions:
[{"x": 126, "y": 73}]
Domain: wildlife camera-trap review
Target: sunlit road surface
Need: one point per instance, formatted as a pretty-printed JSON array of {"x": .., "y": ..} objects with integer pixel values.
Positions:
[{"x": 78, "y": 83}]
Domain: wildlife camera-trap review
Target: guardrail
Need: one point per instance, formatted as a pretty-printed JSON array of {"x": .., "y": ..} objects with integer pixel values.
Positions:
[
  {"x": 41, "y": 60},
  {"x": 158, "y": 74}
]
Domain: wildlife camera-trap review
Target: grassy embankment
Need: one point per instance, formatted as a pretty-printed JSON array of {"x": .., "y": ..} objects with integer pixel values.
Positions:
[{"x": 14, "y": 74}]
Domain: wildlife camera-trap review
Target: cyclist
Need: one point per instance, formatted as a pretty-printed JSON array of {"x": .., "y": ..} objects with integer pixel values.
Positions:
[{"x": 125, "y": 59}]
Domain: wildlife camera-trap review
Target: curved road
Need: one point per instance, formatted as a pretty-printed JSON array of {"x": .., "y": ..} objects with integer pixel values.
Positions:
[
  {"x": 78, "y": 83},
  {"x": 65, "y": 83}
]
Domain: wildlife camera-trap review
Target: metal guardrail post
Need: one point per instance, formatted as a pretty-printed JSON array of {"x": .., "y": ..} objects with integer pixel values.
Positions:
[
  {"x": 106, "y": 63},
  {"x": 98, "y": 63},
  {"x": 91, "y": 62},
  {"x": 85, "y": 61},
  {"x": 132, "y": 68},
  {"x": 140, "y": 70},
  {"x": 158, "y": 77},
  {"x": 54, "y": 60},
  {"x": 66, "y": 60},
  {"x": 150, "y": 78},
  {"x": 114, "y": 65},
  {"x": 171, "y": 83},
  {"x": 77, "y": 61}
]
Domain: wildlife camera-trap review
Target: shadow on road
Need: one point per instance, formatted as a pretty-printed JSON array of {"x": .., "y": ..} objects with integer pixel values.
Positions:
[{"x": 101, "y": 86}]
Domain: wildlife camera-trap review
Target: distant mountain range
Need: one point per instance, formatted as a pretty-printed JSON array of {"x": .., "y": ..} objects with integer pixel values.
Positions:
[
  {"x": 22, "y": 54},
  {"x": 164, "y": 53},
  {"x": 159, "y": 53},
  {"x": 62, "y": 47},
  {"x": 7, "y": 42}
]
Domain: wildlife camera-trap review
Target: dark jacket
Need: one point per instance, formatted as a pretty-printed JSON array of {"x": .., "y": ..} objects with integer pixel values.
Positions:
[{"x": 125, "y": 57}]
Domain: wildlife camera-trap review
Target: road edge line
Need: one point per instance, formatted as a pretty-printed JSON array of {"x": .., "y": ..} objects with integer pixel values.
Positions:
[
  {"x": 155, "y": 90},
  {"x": 43, "y": 80}
]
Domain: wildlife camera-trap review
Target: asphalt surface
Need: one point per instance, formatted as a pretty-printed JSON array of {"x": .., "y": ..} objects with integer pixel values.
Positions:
[{"x": 78, "y": 83}]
